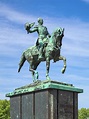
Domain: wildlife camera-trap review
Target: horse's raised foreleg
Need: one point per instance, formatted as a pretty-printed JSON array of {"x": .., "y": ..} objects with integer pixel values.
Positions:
[
  {"x": 47, "y": 68},
  {"x": 64, "y": 60}
]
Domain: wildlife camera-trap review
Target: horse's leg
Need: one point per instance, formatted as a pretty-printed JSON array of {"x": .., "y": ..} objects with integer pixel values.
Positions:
[
  {"x": 64, "y": 60},
  {"x": 35, "y": 74},
  {"x": 22, "y": 60},
  {"x": 47, "y": 68},
  {"x": 32, "y": 71}
]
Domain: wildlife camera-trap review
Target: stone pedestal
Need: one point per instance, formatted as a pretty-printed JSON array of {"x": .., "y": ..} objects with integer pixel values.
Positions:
[{"x": 45, "y": 100}]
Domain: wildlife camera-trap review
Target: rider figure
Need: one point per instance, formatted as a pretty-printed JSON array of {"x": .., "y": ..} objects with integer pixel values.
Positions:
[{"x": 42, "y": 33}]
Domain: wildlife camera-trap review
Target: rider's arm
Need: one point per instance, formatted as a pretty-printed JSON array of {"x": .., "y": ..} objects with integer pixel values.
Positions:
[{"x": 32, "y": 30}]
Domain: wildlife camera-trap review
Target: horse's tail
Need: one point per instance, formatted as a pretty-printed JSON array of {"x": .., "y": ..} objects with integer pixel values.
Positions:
[{"x": 23, "y": 59}]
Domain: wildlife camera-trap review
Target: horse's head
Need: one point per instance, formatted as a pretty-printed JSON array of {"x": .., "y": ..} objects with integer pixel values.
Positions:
[
  {"x": 57, "y": 36},
  {"x": 59, "y": 32}
]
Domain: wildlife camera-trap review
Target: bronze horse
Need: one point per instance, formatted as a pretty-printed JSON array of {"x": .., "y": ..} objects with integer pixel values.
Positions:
[{"x": 51, "y": 51}]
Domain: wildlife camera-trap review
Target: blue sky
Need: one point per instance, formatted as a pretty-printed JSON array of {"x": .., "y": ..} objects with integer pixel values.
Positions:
[{"x": 73, "y": 15}]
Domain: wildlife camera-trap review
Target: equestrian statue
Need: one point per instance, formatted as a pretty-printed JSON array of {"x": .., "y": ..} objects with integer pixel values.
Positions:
[{"x": 47, "y": 48}]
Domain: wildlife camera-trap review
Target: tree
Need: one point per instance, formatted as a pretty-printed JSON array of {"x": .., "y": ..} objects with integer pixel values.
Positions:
[
  {"x": 83, "y": 113},
  {"x": 4, "y": 109},
  {"x": 88, "y": 113}
]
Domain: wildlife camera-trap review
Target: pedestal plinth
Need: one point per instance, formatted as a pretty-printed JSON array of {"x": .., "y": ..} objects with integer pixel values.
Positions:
[{"x": 45, "y": 100}]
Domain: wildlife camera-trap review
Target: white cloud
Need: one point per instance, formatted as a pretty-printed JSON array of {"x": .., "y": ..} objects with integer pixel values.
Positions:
[
  {"x": 87, "y": 1},
  {"x": 13, "y": 15}
]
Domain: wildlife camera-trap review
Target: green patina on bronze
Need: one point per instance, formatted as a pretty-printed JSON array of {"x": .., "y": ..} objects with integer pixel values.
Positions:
[
  {"x": 47, "y": 48},
  {"x": 42, "y": 85}
]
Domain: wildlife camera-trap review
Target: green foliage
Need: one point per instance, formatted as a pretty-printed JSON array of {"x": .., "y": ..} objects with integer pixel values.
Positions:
[
  {"x": 83, "y": 113},
  {"x": 4, "y": 109}
]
